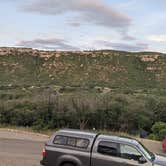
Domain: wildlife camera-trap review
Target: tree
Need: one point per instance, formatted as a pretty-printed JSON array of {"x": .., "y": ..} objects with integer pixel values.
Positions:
[
  {"x": 82, "y": 111},
  {"x": 160, "y": 112}
]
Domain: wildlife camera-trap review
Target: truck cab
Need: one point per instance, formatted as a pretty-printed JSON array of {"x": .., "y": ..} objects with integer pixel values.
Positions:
[
  {"x": 113, "y": 150},
  {"x": 79, "y": 148}
]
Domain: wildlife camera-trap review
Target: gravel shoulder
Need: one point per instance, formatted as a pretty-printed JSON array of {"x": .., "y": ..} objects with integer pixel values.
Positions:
[{"x": 22, "y": 135}]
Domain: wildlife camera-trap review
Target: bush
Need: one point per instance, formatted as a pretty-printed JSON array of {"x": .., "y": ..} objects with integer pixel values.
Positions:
[
  {"x": 159, "y": 130},
  {"x": 162, "y": 133},
  {"x": 43, "y": 108},
  {"x": 153, "y": 137}
]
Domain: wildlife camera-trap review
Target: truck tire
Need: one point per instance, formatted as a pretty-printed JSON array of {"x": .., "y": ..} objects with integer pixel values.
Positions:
[{"x": 68, "y": 164}]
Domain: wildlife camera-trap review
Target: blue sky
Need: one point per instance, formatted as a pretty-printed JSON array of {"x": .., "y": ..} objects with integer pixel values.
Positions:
[{"x": 131, "y": 25}]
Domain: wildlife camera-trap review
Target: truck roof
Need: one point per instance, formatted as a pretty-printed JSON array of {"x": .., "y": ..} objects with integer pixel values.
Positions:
[
  {"x": 92, "y": 135},
  {"x": 119, "y": 139},
  {"x": 78, "y": 133}
]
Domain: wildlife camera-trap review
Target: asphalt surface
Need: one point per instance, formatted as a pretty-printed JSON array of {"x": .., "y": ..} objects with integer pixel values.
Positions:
[
  {"x": 20, "y": 152},
  {"x": 24, "y": 149}
]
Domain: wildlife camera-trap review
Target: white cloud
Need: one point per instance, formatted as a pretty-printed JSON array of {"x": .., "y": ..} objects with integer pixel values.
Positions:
[
  {"x": 121, "y": 46},
  {"x": 90, "y": 11},
  {"x": 48, "y": 44},
  {"x": 157, "y": 38}
]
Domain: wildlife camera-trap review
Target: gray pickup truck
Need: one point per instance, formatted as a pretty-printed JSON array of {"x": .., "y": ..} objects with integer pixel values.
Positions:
[{"x": 78, "y": 148}]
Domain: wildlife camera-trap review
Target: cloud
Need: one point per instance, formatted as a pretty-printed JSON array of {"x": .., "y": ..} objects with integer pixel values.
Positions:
[
  {"x": 48, "y": 44},
  {"x": 127, "y": 37},
  {"x": 89, "y": 11},
  {"x": 60, "y": 44},
  {"x": 157, "y": 38},
  {"x": 121, "y": 46},
  {"x": 75, "y": 24}
]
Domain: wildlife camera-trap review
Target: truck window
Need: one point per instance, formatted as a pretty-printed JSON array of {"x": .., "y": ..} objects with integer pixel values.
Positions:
[
  {"x": 82, "y": 143},
  {"x": 71, "y": 141},
  {"x": 129, "y": 152},
  {"x": 60, "y": 140},
  {"x": 108, "y": 148}
]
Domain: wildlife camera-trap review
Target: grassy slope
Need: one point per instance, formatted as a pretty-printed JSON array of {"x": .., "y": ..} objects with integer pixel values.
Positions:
[{"x": 116, "y": 69}]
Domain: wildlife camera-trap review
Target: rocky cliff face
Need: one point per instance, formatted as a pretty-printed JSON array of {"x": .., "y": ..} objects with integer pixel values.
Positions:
[{"x": 26, "y": 66}]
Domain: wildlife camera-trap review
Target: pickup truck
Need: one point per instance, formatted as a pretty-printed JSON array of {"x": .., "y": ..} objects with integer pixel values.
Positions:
[{"x": 79, "y": 148}]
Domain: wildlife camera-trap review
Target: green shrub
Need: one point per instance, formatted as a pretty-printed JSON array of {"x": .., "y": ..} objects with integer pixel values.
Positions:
[
  {"x": 153, "y": 137},
  {"x": 159, "y": 130},
  {"x": 162, "y": 133}
]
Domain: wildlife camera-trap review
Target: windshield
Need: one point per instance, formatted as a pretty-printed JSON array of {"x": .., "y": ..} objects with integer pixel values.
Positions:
[{"x": 146, "y": 152}]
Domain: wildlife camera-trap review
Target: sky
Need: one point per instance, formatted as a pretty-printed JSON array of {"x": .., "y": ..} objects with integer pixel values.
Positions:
[{"x": 129, "y": 25}]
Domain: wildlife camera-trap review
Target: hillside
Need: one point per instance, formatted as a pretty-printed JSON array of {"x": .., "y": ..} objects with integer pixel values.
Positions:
[
  {"x": 113, "y": 69},
  {"x": 105, "y": 89}
]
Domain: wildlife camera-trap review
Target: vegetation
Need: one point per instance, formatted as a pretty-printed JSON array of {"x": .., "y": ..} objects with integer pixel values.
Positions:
[
  {"x": 159, "y": 131},
  {"x": 110, "y": 69},
  {"x": 105, "y": 90},
  {"x": 47, "y": 108}
]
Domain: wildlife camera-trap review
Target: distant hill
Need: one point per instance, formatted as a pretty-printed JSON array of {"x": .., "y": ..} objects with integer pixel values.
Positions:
[{"x": 104, "y": 68}]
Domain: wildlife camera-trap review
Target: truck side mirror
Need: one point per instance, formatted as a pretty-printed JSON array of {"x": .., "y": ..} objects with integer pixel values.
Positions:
[{"x": 142, "y": 160}]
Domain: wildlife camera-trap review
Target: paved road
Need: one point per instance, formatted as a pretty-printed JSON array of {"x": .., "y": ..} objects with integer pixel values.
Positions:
[
  {"x": 15, "y": 152},
  {"x": 20, "y": 149},
  {"x": 23, "y": 149}
]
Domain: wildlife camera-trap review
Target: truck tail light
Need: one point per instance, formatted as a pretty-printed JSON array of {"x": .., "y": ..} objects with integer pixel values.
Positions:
[{"x": 44, "y": 152}]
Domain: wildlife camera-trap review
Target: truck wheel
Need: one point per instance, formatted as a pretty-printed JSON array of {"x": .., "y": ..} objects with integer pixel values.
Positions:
[{"x": 68, "y": 164}]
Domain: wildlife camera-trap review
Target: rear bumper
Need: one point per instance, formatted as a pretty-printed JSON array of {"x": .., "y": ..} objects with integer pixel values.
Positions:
[{"x": 43, "y": 162}]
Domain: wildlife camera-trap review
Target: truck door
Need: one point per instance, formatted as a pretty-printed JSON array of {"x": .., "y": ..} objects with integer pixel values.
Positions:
[
  {"x": 107, "y": 153},
  {"x": 132, "y": 156}
]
